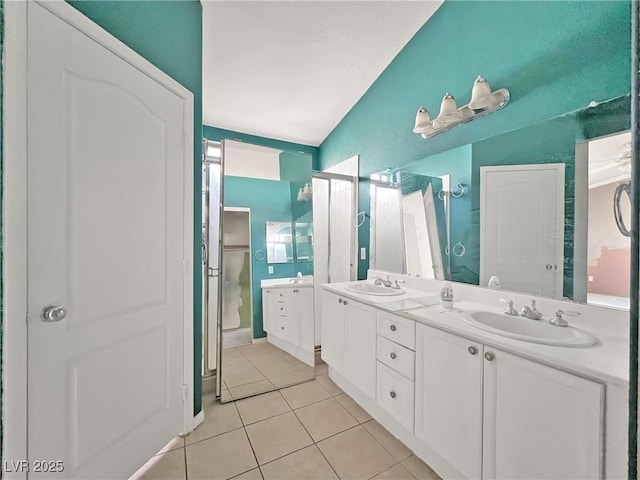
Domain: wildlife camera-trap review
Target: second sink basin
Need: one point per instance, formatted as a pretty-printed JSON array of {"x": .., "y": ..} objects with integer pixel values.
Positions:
[
  {"x": 371, "y": 289},
  {"x": 536, "y": 331}
]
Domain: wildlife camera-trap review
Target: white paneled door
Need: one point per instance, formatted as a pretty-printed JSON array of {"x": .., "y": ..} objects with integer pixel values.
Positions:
[
  {"x": 106, "y": 241},
  {"x": 522, "y": 227}
]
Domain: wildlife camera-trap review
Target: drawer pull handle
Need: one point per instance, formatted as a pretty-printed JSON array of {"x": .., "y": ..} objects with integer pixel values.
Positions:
[
  {"x": 339, "y": 300},
  {"x": 392, "y": 394},
  {"x": 344, "y": 302},
  {"x": 392, "y": 328},
  {"x": 393, "y": 356},
  {"x": 489, "y": 356},
  {"x": 472, "y": 350}
]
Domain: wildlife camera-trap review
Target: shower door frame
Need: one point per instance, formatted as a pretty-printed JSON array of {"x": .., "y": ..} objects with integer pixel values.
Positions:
[
  {"x": 208, "y": 372},
  {"x": 353, "y": 271}
]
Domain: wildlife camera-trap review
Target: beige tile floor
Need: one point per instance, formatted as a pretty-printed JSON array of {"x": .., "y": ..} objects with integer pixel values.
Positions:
[
  {"x": 308, "y": 431},
  {"x": 261, "y": 367}
]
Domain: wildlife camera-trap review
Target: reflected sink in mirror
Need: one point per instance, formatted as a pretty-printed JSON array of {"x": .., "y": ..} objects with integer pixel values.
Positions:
[
  {"x": 371, "y": 289},
  {"x": 535, "y": 331}
]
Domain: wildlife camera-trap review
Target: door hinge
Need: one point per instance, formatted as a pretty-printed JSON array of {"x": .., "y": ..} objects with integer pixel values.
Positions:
[{"x": 184, "y": 393}]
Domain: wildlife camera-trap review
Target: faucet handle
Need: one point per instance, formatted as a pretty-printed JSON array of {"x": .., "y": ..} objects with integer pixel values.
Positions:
[
  {"x": 558, "y": 321},
  {"x": 509, "y": 310}
]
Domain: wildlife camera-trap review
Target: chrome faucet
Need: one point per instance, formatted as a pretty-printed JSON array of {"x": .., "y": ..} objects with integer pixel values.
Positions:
[
  {"x": 531, "y": 312},
  {"x": 386, "y": 283},
  {"x": 558, "y": 321},
  {"x": 509, "y": 310}
]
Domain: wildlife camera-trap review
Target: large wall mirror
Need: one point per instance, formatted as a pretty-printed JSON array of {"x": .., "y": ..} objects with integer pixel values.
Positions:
[
  {"x": 266, "y": 328},
  {"x": 544, "y": 210}
]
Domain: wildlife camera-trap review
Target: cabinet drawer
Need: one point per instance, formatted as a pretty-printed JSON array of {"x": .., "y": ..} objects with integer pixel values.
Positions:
[
  {"x": 281, "y": 296},
  {"x": 400, "y": 330},
  {"x": 281, "y": 309},
  {"x": 395, "y": 395},
  {"x": 399, "y": 358}
]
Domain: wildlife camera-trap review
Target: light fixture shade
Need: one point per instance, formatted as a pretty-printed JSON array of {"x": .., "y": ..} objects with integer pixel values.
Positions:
[
  {"x": 481, "y": 97},
  {"x": 448, "y": 111},
  {"x": 423, "y": 121}
]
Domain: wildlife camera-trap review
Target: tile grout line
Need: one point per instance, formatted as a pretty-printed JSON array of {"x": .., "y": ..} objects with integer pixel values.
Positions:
[
  {"x": 246, "y": 434},
  {"x": 316, "y": 443}
]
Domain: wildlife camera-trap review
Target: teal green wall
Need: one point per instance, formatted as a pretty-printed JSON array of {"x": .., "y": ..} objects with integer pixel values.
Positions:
[
  {"x": 295, "y": 168},
  {"x": 217, "y": 134},
  {"x": 268, "y": 200},
  {"x": 554, "y": 57},
  {"x": 169, "y": 34}
]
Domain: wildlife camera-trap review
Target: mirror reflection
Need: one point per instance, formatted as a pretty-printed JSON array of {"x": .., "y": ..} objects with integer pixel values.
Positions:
[
  {"x": 541, "y": 210},
  {"x": 279, "y": 244},
  {"x": 266, "y": 329},
  {"x": 303, "y": 241}
]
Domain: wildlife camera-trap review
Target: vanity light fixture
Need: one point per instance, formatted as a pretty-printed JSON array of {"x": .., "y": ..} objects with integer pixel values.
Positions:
[
  {"x": 305, "y": 193},
  {"x": 483, "y": 101}
]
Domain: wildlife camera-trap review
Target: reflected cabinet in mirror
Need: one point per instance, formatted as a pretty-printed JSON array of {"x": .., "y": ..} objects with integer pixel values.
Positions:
[
  {"x": 543, "y": 210},
  {"x": 266, "y": 327}
]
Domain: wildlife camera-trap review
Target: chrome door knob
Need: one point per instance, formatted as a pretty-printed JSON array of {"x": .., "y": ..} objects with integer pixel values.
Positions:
[
  {"x": 393, "y": 356},
  {"x": 392, "y": 328},
  {"x": 472, "y": 350},
  {"x": 53, "y": 313},
  {"x": 489, "y": 356}
]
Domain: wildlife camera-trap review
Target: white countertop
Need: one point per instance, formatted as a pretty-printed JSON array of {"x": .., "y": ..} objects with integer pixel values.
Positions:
[
  {"x": 606, "y": 361},
  {"x": 287, "y": 282}
]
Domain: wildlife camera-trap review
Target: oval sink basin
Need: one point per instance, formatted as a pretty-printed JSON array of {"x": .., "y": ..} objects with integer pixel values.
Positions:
[
  {"x": 536, "y": 331},
  {"x": 371, "y": 289}
]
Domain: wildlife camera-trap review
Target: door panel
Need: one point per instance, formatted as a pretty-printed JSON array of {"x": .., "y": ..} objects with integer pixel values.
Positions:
[
  {"x": 449, "y": 398},
  {"x": 360, "y": 346},
  {"x": 540, "y": 422},
  {"x": 332, "y": 330},
  {"x": 105, "y": 202},
  {"x": 522, "y": 227}
]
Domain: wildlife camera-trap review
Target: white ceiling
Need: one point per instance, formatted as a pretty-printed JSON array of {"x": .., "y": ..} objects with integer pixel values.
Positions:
[{"x": 291, "y": 70}]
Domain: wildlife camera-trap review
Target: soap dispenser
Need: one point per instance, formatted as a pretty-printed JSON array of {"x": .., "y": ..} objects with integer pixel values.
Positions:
[{"x": 446, "y": 296}]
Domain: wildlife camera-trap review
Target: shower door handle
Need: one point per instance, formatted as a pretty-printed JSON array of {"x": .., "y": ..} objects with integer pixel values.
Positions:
[{"x": 205, "y": 254}]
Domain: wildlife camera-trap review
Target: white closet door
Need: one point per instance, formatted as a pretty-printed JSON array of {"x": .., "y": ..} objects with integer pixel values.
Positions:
[
  {"x": 106, "y": 232},
  {"x": 522, "y": 227}
]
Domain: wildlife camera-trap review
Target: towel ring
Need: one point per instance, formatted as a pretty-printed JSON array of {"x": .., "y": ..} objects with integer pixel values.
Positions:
[
  {"x": 358, "y": 223},
  {"x": 460, "y": 249},
  {"x": 441, "y": 195},
  {"x": 259, "y": 255},
  {"x": 457, "y": 191}
]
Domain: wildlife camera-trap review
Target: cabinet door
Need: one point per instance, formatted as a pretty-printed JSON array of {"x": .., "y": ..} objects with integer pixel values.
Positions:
[
  {"x": 332, "y": 330},
  {"x": 267, "y": 310},
  {"x": 360, "y": 346},
  {"x": 448, "y": 402},
  {"x": 539, "y": 422},
  {"x": 305, "y": 318}
]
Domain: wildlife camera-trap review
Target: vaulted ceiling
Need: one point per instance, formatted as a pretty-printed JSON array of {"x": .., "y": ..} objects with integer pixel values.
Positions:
[{"x": 291, "y": 70}]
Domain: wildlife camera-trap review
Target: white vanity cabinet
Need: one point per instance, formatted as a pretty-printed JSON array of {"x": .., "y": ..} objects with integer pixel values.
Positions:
[
  {"x": 490, "y": 414},
  {"x": 349, "y": 340},
  {"x": 287, "y": 317}
]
